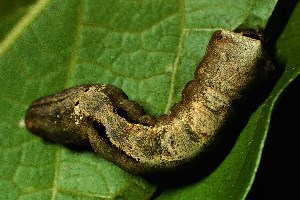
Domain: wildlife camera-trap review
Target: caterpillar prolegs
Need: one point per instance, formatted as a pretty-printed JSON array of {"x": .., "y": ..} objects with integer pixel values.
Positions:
[{"x": 119, "y": 130}]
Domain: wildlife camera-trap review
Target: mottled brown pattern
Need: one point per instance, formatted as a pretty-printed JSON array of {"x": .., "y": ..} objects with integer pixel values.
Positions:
[{"x": 119, "y": 130}]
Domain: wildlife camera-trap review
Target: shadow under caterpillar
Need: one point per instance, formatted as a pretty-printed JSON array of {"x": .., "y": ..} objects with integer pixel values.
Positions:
[{"x": 119, "y": 130}]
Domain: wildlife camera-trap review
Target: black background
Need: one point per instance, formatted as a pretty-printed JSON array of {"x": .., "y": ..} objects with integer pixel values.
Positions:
[{"x": 278, "y": 176}]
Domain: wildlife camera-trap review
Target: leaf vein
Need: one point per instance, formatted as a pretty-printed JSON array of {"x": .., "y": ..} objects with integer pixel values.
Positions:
[
  {"x": 177, "y": 59},
  {"x": 76, "y": 46},
  {"x": 149, "y": 27},
  {"x": 23, "y": 24}
]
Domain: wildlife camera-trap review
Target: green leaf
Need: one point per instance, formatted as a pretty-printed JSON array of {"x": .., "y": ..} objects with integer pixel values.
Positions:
[
  {"x": 10, "y": 13},
  {"x": 149, "y": 49}
]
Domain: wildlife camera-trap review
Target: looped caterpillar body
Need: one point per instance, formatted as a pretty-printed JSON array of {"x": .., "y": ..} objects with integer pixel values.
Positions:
[{"x": 119, "y": 130}]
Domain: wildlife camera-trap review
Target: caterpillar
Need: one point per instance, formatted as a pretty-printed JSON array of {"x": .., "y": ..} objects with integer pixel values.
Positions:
[{"x": 120, "y": 131}]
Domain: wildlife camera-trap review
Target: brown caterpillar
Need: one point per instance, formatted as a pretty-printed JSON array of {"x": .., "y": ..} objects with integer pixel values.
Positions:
[{"x": 119, "y": 130}]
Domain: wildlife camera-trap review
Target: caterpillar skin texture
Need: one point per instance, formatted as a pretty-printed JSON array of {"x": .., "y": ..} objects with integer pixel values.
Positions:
[{"x": 119, "y": 130}]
